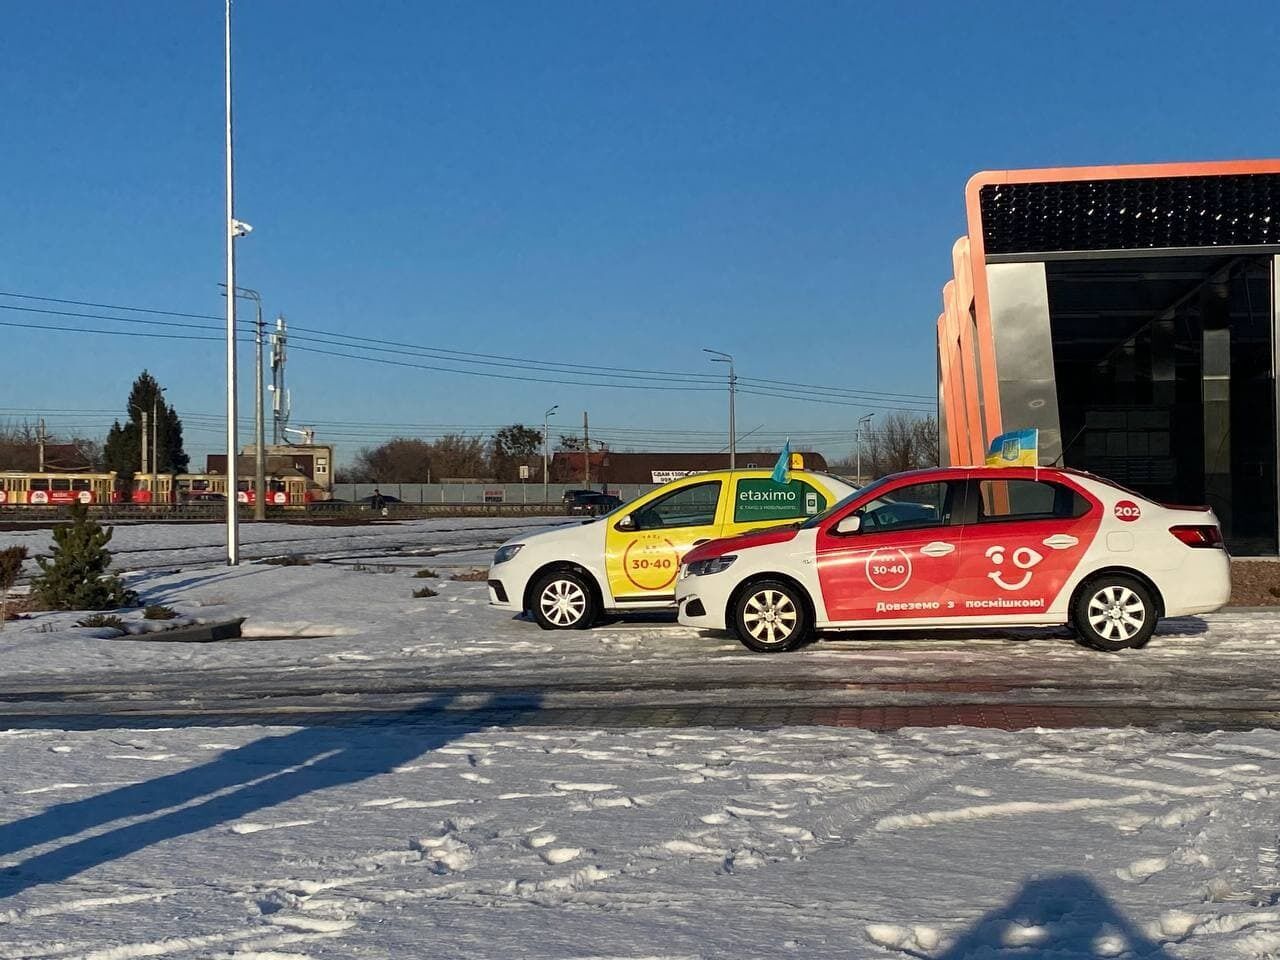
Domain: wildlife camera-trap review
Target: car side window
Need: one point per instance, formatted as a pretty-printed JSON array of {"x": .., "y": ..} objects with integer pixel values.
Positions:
[
  {"x": 760, "y": 499},
  {"x": 692, "y": 506},
  {"x": 1003, "y": 500},
  {"x": 910, "y": 507}
]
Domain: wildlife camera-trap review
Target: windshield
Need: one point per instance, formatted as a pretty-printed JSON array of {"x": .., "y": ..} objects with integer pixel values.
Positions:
[{"x": 840, "y": 505}]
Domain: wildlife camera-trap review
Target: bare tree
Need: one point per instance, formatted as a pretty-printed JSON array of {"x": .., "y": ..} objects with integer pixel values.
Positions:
[{"x": 900, "y": 441}]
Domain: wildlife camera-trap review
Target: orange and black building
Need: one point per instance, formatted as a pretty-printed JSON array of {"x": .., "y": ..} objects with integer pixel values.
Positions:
[{"x": 1130, "y": 313}]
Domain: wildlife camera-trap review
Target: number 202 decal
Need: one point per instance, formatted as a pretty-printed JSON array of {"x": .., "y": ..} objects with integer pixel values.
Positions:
[{"x": 1128, "y": 511}]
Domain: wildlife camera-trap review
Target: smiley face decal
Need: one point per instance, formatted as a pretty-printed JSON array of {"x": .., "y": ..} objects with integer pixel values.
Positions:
[{"x": 1024, "y": 558}]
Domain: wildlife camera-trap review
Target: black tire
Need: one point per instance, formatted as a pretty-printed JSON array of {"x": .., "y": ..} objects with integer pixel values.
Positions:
[
  {"x": 564, "y": 600},
  {"x": 1114, "y": 612},
  {"x": 770, "y": 616}
]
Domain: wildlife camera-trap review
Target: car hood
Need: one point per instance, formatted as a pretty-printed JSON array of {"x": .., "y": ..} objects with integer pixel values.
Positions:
[
  {"x": 572, "y": 534},
  {"x": 758, "y": 538}
]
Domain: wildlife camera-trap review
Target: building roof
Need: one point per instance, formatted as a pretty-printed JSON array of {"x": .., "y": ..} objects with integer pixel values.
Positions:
[{"x": 608, "y": 466}]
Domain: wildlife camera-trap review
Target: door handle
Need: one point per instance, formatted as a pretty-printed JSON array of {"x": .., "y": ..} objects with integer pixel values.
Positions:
[
  {"x": 938, "y": 549},
  {"x": 1060, "y": 541}
]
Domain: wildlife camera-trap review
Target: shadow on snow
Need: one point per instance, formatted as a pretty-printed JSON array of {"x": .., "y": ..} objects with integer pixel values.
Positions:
[
  {"x": 1066, "y": 917},
  {"x": 238, "y": 782}
]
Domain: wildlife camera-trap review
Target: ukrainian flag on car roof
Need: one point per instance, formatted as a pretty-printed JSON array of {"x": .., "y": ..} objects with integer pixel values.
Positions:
[
  {"x": 1017, "y": 448},
  {"x": 781, "y": 469}
]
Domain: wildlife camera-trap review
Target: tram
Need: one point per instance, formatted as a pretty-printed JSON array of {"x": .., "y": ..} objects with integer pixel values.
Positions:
[
  {"x": 29, "y": 488},
  {"x": 19, "y": 488}
]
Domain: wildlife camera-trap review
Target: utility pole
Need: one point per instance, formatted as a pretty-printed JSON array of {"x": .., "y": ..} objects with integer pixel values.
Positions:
[
  {"x": 41, "y": 438},
  {"x": 718, "y": 356},
  {"x": 863, "y": 423},
  {"x": 142, "y": 467},
  {"x": 155, "y": 443},
  {"x": 586, "y": 452},
  {"x": 546, "y": 458},
  {"x": 259, "y": 447}
]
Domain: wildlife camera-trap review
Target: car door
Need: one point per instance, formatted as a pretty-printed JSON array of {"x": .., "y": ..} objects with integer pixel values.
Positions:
[
  {"x": 1023, "y": 539},
  {"x": 901, "y": 561},
  {"x": 643, "y": 547}
]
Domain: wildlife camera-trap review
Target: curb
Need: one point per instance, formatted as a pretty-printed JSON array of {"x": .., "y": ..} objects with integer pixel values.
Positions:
[{"x": 197, "y": 633}]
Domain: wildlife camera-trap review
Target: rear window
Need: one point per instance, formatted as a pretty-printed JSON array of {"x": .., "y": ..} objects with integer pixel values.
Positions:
[{"x": 1001, "y": 500}]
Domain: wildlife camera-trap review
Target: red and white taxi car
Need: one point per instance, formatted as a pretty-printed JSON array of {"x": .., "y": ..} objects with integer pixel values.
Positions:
[{"x": 971, "y": 546}]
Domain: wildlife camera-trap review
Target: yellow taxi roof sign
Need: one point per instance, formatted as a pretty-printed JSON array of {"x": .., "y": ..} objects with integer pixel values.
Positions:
[{"x": 797, "y": 461}]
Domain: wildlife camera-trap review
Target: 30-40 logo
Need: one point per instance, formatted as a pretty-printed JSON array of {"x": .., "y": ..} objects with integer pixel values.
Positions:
[{"x": 1128, "y": 511}]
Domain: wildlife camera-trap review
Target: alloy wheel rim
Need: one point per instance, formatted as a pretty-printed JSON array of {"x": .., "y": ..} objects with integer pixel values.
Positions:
[
  {"x": 770, "y": 616},
  {"x": 1116, "y": 613},
  {"x": 563, "y": 602}
]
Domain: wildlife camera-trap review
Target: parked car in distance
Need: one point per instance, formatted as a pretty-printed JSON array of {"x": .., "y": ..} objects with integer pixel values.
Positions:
[
  {"x": 566, "y": 577},
  {"x": 591, "y": 503},
  {"x": 963, "y": 547}
]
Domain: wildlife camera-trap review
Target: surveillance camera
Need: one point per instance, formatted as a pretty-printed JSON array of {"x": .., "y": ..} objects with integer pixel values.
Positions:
[{"x": 240, "y": 229}]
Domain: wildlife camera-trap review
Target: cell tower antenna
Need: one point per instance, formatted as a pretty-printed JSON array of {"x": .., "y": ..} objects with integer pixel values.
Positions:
[{"x": 279, "y": 399}]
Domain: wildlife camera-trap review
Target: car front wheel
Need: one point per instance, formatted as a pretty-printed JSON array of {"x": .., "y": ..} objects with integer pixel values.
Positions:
[
  {"x": 1115, "y": 613},
  {"x": 563, "y": 600},
  {"x": 771, "y": 617}
]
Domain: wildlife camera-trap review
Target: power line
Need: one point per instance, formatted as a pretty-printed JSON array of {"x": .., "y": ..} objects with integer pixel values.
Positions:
[{"x": 765, "y": 387}]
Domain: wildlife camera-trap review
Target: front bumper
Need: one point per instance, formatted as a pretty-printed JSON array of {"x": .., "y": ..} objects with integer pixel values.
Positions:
[
  {"x": 701, "y": 601},
  {"x": 506, "y": 588}
]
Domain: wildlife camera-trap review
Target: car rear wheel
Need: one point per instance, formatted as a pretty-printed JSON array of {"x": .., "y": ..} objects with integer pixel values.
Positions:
[
  {"x": 564, "y": 600},
  {"x": 771, "y": 617},
  {"x": 1114, "y": 613}
]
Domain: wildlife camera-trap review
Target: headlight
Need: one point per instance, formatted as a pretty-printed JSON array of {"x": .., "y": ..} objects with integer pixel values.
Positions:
[
  {"x": 505, "y": 553},
  {"x": 704, "y": 568}
]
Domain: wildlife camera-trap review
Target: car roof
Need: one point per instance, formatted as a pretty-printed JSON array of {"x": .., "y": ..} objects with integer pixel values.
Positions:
[{"x": 754, "y": 473}]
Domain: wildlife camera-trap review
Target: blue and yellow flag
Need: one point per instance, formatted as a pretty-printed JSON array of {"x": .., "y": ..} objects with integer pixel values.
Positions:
[
  {"x": 781, "y": 469},
  {"x": 1018, "y": 448}
]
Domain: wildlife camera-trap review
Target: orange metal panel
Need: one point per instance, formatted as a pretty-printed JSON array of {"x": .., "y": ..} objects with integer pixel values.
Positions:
[
  {"x": 970, "y": 360},
  {"x": 947, "y": 385}
]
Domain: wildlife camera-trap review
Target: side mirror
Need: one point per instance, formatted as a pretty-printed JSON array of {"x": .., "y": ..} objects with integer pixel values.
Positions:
[
  {"x": 626, "y": 523},
  {"x": 848, "y": 525}
]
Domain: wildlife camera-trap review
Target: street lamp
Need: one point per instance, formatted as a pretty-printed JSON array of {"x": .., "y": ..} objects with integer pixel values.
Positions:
[
  {"x": 234, "y": 229},
  {"x": 719, "y": 357},
  {"x": 259, "y": 442},
  {"x": 863, "y": 423},
  {"x": 545, "y": 459}
]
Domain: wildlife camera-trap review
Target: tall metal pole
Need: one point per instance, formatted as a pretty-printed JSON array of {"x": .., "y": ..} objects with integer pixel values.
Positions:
[
  {"x": 155, "y": 443},
  {"x": 233, "y": 518},
  {"x": 718, "y": 356},
  {"x": 546, "y": 459},
  {"x": 862, "y": 426},
  {"x": 733, "y": 427}
]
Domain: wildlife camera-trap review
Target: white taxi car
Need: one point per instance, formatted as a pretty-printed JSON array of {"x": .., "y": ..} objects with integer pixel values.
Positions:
[
  {"x": 627, "y": 560},
  {"x": 951, "y": 547}
]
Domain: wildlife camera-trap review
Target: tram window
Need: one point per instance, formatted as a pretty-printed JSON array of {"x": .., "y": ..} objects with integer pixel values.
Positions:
[
  {"x": 62, "y": 483},
  {"x": 39, "y": 483},
  {"x": 80, "y": 485}
]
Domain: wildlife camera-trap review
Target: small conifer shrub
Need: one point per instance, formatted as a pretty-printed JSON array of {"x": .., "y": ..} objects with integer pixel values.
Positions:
[{"x": 75, "y": 577}]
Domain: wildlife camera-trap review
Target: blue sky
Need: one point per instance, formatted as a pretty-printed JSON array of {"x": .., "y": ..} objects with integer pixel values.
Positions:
[{"x": 595, "y": 183}]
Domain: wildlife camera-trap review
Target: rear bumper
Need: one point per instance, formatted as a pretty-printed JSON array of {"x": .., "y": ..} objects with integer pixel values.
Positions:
[{"x": 1202, "y": 584}]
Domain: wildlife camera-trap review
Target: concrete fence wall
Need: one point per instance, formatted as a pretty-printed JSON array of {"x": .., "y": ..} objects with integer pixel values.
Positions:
[{"x": 428, "y": 493}]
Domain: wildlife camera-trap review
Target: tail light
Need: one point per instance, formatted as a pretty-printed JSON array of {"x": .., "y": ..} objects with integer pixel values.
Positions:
[{"x": 1198, "y": 535}]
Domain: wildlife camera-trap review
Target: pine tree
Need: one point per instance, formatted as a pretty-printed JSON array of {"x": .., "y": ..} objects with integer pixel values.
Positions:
[
  {"x": 123, "y": 449},
  {"x": 76, "y": 577}
]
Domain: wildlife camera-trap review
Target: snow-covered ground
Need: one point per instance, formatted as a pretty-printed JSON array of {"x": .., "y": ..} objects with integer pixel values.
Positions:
[
  {"x": 422, "y": 833},
  {"x": 146, "y": 544},
  {"x": 418, "y": 841}
]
